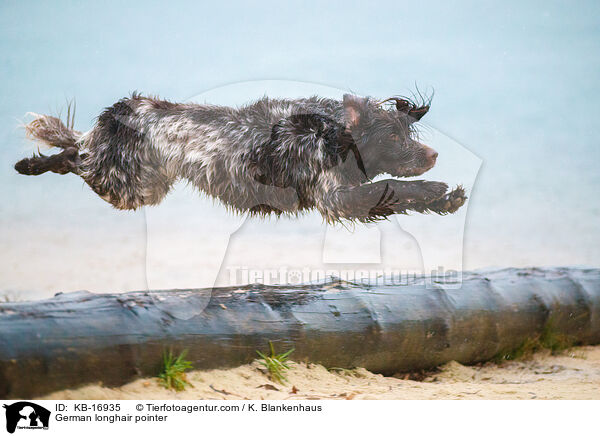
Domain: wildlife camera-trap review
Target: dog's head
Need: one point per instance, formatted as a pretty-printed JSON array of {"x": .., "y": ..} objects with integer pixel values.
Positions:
[{"x": 385, "y": 136}]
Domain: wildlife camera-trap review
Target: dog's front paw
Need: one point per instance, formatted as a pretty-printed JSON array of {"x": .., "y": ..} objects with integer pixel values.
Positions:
[
  {"x": 450, "y": 202},
  {"x": 433, "y": 191}
]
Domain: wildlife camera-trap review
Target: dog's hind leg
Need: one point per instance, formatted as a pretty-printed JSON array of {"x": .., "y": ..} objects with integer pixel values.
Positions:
[
  {"x": 67, "y": 161},
  {"x": 54, "y": 133}
]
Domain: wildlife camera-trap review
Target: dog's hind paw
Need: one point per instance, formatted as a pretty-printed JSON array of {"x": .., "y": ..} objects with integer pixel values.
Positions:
[
  {"x": 29, "y": 166},
  {"x": 450, "y": 202},
  {"x": 64, "y": 162}
]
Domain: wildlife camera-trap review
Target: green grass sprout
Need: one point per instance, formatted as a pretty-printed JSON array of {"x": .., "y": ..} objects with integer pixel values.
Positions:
[
  {"x": 173, "y": 374},
  {"x": 276, "y": 364}
]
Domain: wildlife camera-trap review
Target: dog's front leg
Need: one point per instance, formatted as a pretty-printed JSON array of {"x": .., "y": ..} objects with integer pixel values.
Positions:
[
  {"x": 374, "y": 201},
  {"x": 448, "y": 203}
]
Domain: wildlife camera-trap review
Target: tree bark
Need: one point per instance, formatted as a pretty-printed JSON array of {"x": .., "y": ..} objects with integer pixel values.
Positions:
[{"x": 78, "y": 338}]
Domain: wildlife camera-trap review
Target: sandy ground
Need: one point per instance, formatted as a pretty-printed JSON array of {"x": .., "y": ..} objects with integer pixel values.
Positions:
[{"x": 574, "y": 374}]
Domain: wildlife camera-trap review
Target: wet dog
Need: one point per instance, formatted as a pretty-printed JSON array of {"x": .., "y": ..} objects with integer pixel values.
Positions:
[{"x": 273, "y": 156}]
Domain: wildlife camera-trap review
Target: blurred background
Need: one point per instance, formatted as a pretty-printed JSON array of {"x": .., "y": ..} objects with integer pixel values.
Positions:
[{"x": 516, "y": 85}]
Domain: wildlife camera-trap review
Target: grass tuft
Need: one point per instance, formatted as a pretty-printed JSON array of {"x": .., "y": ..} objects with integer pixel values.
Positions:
[
  {"x": 276, "y": 364},
  {"x": 556, "y": 342},
  {"x": 549, "y": 339},
  {"x": 173, "y": 374}
]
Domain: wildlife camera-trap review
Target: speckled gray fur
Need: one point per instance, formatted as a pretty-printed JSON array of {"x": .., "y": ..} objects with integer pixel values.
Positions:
[{"x": 273, "y": 156}]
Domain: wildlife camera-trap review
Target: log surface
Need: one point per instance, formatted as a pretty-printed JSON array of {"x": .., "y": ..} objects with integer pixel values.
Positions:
[{"x": 81, "y": 337}]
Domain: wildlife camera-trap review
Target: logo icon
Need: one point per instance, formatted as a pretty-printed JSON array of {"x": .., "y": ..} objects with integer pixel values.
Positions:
[{"x": 26, "y": 415}]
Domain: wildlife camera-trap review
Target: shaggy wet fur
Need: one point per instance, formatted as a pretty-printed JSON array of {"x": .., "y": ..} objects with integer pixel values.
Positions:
[{"x": 273, "y": 156}]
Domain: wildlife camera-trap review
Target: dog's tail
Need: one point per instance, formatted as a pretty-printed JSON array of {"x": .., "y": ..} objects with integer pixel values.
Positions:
[{"x": 52, "y": 132}]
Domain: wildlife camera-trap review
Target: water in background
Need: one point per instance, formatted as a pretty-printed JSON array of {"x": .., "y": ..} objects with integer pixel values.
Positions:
[{"x": 518, "y": 86}]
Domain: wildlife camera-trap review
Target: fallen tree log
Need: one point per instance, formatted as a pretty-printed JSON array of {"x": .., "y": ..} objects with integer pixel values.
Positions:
[{"x": 78, "y": 338}]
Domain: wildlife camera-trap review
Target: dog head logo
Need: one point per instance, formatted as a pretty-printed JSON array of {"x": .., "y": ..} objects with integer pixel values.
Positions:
[{"x": 26, "y": 415}]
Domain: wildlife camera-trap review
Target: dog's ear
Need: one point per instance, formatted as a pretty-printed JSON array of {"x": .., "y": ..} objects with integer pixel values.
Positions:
[
  {"x": 409, "y": 108},
  {"x": 418, "y": 112},
  {"x": 355, "y": 110}
]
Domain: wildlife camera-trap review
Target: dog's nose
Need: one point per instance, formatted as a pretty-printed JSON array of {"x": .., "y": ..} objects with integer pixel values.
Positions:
[{"x": 431, "y": 155}]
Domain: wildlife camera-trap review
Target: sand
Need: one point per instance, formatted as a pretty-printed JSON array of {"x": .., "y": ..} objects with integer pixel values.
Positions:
[{"x": 574, "y": 374}]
